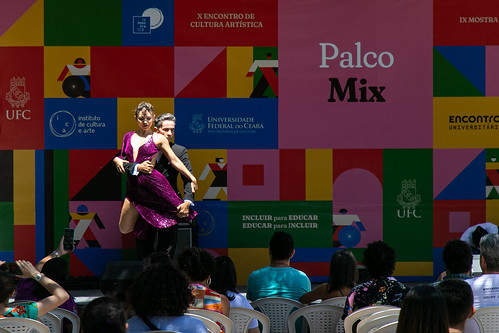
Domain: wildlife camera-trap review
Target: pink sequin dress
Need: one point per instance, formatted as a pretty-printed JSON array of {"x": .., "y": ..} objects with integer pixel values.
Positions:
[{"x": 151, "y": 194}]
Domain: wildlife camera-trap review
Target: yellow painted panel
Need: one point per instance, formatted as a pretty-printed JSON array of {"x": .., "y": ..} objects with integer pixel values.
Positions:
[
  {"x": 319, "y": 174},
  {"x": 27, "y": 30},
  {"x": 422, "y": 268},
  {"x": 247, "y": 261},
  {"x": 492, "y": 166},
  {"x": 492, "y": 211},
  {"x": 126, "y": 113},
  {"x": 239, "y": 61},
  {"x": 24, "y": 187},
  {"x": 473, "y": 130},
  {"x": 56, "y": 58}
]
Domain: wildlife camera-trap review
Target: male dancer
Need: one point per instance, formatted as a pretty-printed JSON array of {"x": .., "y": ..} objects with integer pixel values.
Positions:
[{"x": 167, "y": 238}]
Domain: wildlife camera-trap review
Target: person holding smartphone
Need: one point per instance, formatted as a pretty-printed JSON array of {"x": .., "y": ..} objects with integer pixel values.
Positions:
[
  {"x": 30, "y": 310},
  {"x": 54, "y": 267}
]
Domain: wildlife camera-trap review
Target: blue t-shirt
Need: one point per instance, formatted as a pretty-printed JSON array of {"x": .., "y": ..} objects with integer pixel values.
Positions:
[
  {"x": 277, "y": 282},
  {"x": 184, "y": 324}
]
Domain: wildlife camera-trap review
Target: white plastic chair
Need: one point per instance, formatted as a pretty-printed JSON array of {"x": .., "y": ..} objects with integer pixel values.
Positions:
[
  {"x": 72, "y": 317},
  {"x": 241, "y": 317},
  {"x": 52, "y": 322},
  {"x": 361, "y": 313},
  {"x": 388, "y": 328},
  {"x": 338, "y": 301},
  {"x": 321, "y": 318},
  {"x": 371, "y": 322},
  {"x": 211, "y": 326},
  {"x": 23, "y": 325},
  {"x": 277, "y": 309},
  {"x": 227, "y": 324},
  {"x": 487, "y": 319}
]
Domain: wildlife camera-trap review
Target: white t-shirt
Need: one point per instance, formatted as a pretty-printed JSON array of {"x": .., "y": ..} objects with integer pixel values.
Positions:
[{"x": 485, "y": 290}]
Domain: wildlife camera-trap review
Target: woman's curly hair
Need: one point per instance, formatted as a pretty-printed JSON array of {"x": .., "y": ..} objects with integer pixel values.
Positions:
[
  {"x": 379, "y": 259},
  {"x": 160, "y": 290},
  {"x": 196, "y": 263}
]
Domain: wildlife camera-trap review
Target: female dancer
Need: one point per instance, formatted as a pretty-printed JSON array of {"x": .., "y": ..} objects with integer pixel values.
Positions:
[{"x": 149, "y": 194}]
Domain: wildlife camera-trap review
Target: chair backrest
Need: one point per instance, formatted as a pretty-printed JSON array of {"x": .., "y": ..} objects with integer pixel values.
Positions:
[
  {"x": 385, "y": 312},
  {"x": 53, "y": 322},
  {"x": 241, "y": 317},
  {"x": 487, "y": 318},
  {"x": 388, "y": 328},
  {"x": 210, "y": 324},
  {"x": 338, "y": 301},
  {"x": 13, "y": 324},
  {"x": 72, "y": 317},
  {"x": 371, "y": 322},
  {"x": 277, "y": 309},
  {"x": 361, "y": 313},
  {"x": 321, "y": 318},
  {"x": 227, "y": 324},
  {"x": 19, "y": 302}
]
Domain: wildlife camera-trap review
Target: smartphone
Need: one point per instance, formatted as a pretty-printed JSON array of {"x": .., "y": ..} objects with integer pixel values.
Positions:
[
  {"x": 11, "y": 268},
  {"x": 69, "y": 239}
]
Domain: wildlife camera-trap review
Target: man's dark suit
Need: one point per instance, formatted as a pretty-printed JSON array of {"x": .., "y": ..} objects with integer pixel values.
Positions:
[{"x": 167, "y": 238}]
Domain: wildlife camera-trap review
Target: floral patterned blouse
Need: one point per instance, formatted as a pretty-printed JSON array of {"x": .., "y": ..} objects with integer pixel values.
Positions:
[
  {"x": 386, "y": 291},
  {"x": 25, "y": 310}
]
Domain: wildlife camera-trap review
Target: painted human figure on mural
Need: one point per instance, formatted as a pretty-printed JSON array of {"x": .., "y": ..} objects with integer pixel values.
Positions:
[
  {"x": 78, "y": 82},
  {"x": 219, "y": 170},
  {"x": 167, "y": 237},
  {"x": 82, "y": 219},
  {"x": 149, "y": 194}
]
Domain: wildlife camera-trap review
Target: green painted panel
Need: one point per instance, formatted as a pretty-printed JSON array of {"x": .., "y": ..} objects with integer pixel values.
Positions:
[
  {"x": 251, "y": 224},
  {"x": 7, "y": 223},
  {"x": 83, "y": 23},
  {"x": 408, "y": 203}
]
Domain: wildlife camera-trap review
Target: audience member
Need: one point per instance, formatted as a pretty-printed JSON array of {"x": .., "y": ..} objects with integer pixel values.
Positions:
[
  {"x": 30, "y": 310},
  {"x": 423, "y": 311},
  {"x": 54, "y": 267},
  {"x": 343, "y": 275},
  {"x": 279, "y": 279},
  {"x": 160, "y": 297},
  {"x": 104, "y": 315},
  {"x": 224, "y": 281},
  {"x": 154, "y": 258},
  {"x": 379, "y": 259},
  {"x": 458, "y": 259},
  {"x": 459, "y": 299},
  {"x": 198, "y": 265},
  {"x": 485, "y": 287},
  {"x": 473, "y": 234}
]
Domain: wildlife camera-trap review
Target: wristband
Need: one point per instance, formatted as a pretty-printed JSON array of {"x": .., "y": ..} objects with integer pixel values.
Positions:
[{"x": 38, "y": 277}]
